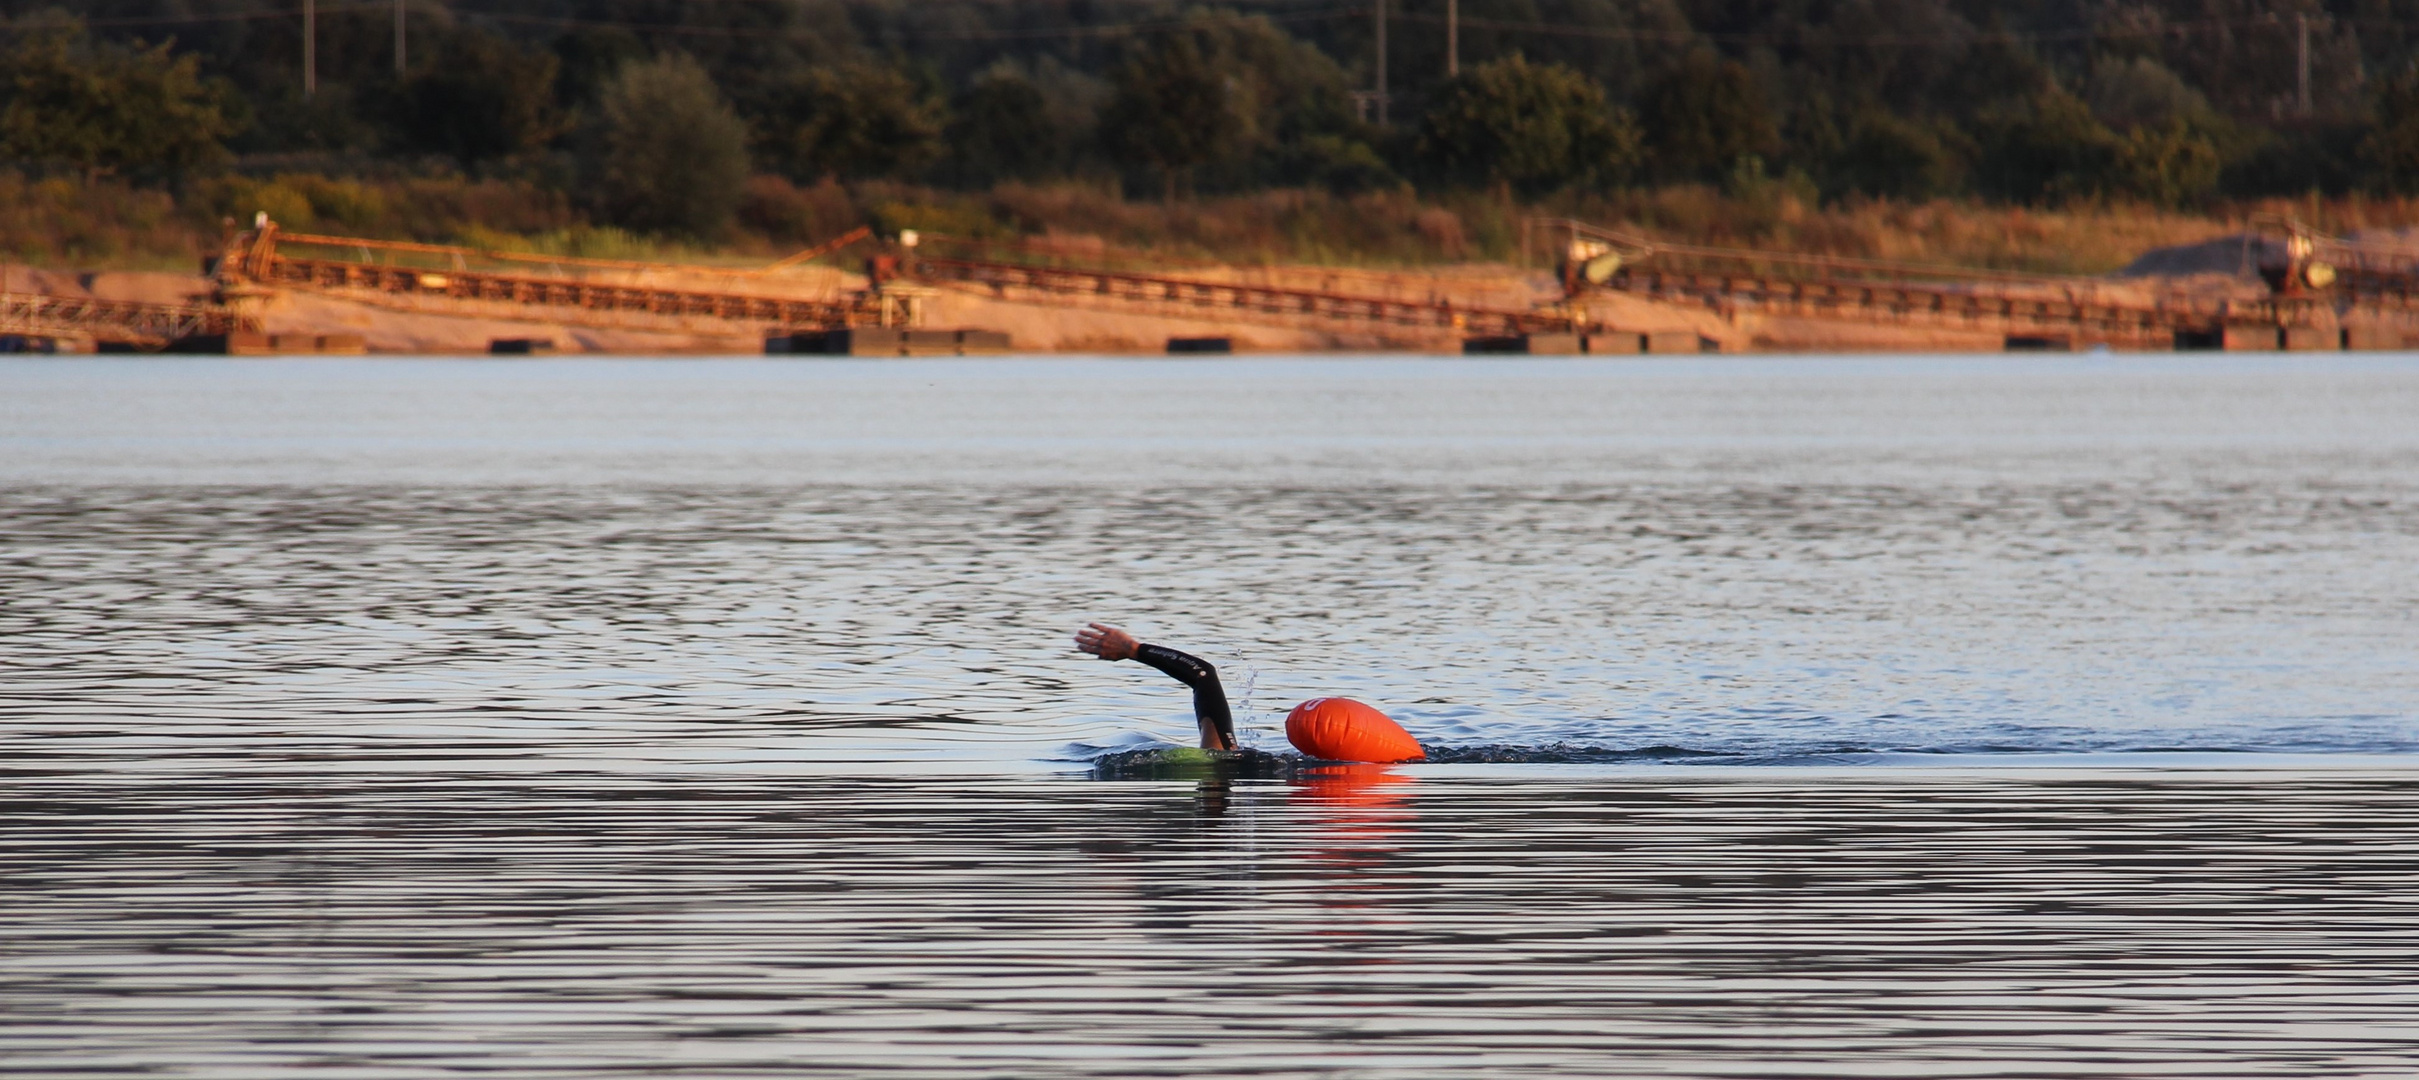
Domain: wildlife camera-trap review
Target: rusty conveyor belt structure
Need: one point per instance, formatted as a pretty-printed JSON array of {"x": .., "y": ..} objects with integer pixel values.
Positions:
[
  {"x": 1732, "y": 282},
  {"x": 129, "y": 322},
  {"x": 257, "y": 257},
  {"x": 572, "y": 294},
  {"x": 2007, "y": 313},
  {"x": 261, "y": 256},
  {"x": 2018, "y": 306},
  {"x": 1229, "y": 299}
]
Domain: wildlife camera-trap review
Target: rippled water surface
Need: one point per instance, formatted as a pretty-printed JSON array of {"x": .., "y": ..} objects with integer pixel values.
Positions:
[{"x": 1793, "y": 717}]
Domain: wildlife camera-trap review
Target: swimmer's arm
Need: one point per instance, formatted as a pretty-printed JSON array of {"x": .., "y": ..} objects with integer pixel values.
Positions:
[
  {"x": 1111, "y": 643},
  {"x": 1183, "y": 667},
  {"x": 1209, "y": 696}
]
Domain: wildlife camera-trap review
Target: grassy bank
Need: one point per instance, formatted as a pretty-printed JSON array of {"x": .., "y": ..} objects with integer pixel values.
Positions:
[{"x": 66, "y": 224}]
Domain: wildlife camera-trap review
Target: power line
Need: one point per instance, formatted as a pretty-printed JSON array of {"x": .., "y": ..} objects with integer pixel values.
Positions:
[
  {"x": 1080, "y": 31},
  {"x": 215, "y": 17},
  {"x": 1098, "y": 31},
  {"x": 1819, "y": 36},
  {"x": 1606, "y": 33}
]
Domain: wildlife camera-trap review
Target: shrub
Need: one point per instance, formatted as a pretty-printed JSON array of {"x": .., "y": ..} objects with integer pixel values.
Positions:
[
  {"x": 1172, "y": 112},
  {"x": 485, "y": 98},
  {"x": 1702, "y": 116},
  {"x": 855, "y": 122},
  {"x": 1003, "y": 131},
  {"x": 668, "y": 155},
  {"x": 102, "y": 110},
  {"x": 2169, "y": 166},
  {"x": 1510, "y": 124},
  {"x": 1893, "y": 157},
  {"x": 791, "y": 216}
]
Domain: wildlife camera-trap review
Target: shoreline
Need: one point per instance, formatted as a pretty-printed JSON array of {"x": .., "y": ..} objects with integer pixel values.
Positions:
[{"x": 295, "y": 321}]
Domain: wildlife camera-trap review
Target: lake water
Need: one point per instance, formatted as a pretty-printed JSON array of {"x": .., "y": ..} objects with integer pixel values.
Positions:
[{"x": 1791, "y": 717}]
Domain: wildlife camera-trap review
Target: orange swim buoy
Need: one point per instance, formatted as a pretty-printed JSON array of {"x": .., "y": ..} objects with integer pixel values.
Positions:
[{"x": 1341, "y": 729}]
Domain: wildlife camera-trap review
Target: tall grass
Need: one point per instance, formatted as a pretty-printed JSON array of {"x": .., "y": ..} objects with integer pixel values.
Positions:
[{"x": 62, "y": 223}]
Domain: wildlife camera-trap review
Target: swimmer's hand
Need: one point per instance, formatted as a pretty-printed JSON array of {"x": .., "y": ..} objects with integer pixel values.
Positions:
[{"x": 1106, "y": 642}]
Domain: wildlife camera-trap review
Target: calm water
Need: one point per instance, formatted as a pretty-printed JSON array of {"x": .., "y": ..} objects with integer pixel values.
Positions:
[{"x": 1795, "y": 717}]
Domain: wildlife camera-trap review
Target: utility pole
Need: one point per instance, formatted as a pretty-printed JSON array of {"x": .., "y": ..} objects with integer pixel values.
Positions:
[
  {"x": 1452, "y": 38},
  {"x": 399, "y": 54},
  {"x": 2303, "y": 99},
  {"x": 1381, "y": 63},
  {"x": 310, "y": 47}
]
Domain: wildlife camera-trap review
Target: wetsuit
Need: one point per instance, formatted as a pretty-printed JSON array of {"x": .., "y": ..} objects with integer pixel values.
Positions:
[{"x": 1209, "y": 698}]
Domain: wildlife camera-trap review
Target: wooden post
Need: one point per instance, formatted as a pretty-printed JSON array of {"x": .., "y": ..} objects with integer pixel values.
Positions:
[
  {"x": 1452, "y": 38},
  {"x": 310, "y": 48},
  {"x": 1381, "y": 63},
  {"x": 2302, "y": 23},
  {"x": 399, "y": 44}
]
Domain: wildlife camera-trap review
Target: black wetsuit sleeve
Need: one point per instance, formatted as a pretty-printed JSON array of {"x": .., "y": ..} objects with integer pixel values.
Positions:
[{"x": 1209, "y": 697}]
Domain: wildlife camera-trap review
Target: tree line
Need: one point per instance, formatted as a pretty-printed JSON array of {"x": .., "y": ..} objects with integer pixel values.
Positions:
[{"x": 653, "y": 114}]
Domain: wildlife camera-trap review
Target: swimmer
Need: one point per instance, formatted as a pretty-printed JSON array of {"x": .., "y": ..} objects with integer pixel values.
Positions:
[
  {"x": 1329, "y": 729},
  {"x": 1209, "y": 698}
]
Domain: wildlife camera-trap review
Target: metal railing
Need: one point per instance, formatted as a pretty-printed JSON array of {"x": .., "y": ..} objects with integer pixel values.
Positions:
[{"x": 566, "y": 293}]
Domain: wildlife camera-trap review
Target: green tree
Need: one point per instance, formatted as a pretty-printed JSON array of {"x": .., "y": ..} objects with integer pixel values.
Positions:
[
  {"x": 2049, "y": 149},
  {"x": 100, "y": 109},
  {"x": 1172, "y": 111},
  {"x": 1891, "y": 156},
  {"x": 851, "y": 122},
  {"x": 1002, "y": 129},
  {"x": 2171, "y": 165},
  {"x": 1703, "y": 115},
  {"x": 587, "y": 58},
  {"x": 1336, "y": 164},
  {"x": 2391, "y": 148},
  {"x": 667, "y": 154},
  {"x": 1509, "y": 124},
  {"x": 482, "y": 98},
  {"x": 2140, "y": 92},
  {"x": 1292, "y": 101}
]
